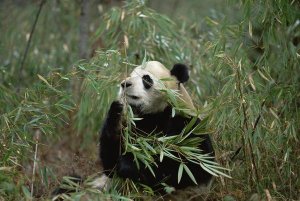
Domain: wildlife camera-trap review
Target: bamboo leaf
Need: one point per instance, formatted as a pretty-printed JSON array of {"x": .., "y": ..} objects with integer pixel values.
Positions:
[
  {"x": 188, "y": 171},
  {"x": 173, "y": 112},
  {"x": 149, "y": 147},
  {"x": 262, "y": 75},
  {"x": 208, "y": 170},
  {"x": 150, "y": 168},
  {"x": 48, "y": 84},
  {"x": 26, "y": 193},
  {"x": 250, "y": 29},
  {"x": 180, "y": 171},
  {"x": 215, "y": 170},
  {"x": 161, "y": 156},
  {"x": 190, "y": 125}
]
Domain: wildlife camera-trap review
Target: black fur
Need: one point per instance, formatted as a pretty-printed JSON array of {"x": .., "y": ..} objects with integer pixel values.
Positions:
[
  {"x": 110, "y": 138},
  {"x": 180, "y": 71},
  {"x": 167, "y": 170},
  {"x": 147, "y": 81},
  {"x": 126, "y": 84}
]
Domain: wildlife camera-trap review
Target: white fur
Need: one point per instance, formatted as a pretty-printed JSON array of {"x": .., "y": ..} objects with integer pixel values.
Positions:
[{"x": 150, "y": 100}]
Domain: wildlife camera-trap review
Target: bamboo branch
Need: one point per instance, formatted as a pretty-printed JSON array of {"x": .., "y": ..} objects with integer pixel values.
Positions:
[
  {"x": 84, "y": 29},
  {"x": 253, "y": 131},
  {"x": 245, "y": 123},
  {"x": 29, "y": 40},
  {"x": 36, "y": 138}
]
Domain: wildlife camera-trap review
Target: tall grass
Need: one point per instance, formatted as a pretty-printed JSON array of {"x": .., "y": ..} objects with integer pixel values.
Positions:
[{"x": 244, "y": 79}]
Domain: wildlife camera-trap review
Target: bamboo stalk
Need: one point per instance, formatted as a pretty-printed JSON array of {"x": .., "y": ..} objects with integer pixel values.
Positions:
[{"x": 29, "y": 40}]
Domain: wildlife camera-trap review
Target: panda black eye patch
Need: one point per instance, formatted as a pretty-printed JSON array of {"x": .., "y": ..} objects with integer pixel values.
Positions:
[{"x": 147, "y": 81}]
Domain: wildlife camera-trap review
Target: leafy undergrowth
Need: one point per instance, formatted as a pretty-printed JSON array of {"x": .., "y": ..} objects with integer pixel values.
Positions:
[{"x": 244, "y": 79}]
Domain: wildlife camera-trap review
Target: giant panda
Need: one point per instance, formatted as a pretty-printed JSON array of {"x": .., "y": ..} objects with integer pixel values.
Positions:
[{"x": 141, "y": 90}]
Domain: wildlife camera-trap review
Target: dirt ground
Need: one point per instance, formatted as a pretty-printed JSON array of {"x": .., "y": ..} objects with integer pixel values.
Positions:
[{"x": 60, "y": 158}]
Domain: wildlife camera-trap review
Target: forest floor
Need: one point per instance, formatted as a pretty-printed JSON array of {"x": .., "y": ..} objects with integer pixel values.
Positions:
[
  {"x": 62, "y": 158},
  {"x": 65, "y": 158}
]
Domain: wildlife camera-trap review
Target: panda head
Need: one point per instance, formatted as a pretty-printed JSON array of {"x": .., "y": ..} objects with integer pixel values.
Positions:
[{"x": 142, "y": 89}]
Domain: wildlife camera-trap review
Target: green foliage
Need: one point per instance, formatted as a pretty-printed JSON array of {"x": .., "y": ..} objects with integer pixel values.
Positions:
[
  {"x": 100, "y": 82},
  {"x": 44, "y": 107},
  {"x": 138, "y": 28},
  {"x": 178, "y": 147},
  {"x": 244, "y": 80},
  {"x": 52, "y": 47}
]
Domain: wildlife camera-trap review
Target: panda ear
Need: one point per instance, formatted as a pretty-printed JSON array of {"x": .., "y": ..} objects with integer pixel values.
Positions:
[{"x": 180, "y": 71}]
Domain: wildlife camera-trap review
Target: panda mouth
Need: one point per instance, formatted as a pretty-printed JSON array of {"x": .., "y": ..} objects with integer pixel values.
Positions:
[{"x": 133, "y": 97}]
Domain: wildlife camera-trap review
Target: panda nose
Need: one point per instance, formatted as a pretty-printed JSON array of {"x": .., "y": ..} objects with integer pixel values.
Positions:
[{"x": 126, "y": 84}]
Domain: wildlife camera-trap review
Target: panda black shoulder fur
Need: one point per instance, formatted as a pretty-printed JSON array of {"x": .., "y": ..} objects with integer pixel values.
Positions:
[{"x": 141, "y": 92}]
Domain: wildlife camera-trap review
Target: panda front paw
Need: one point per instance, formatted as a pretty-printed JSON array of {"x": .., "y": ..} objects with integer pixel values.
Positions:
[
  {"x": 116, "y": 108},
  {"x": 126, "y": 168}
]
